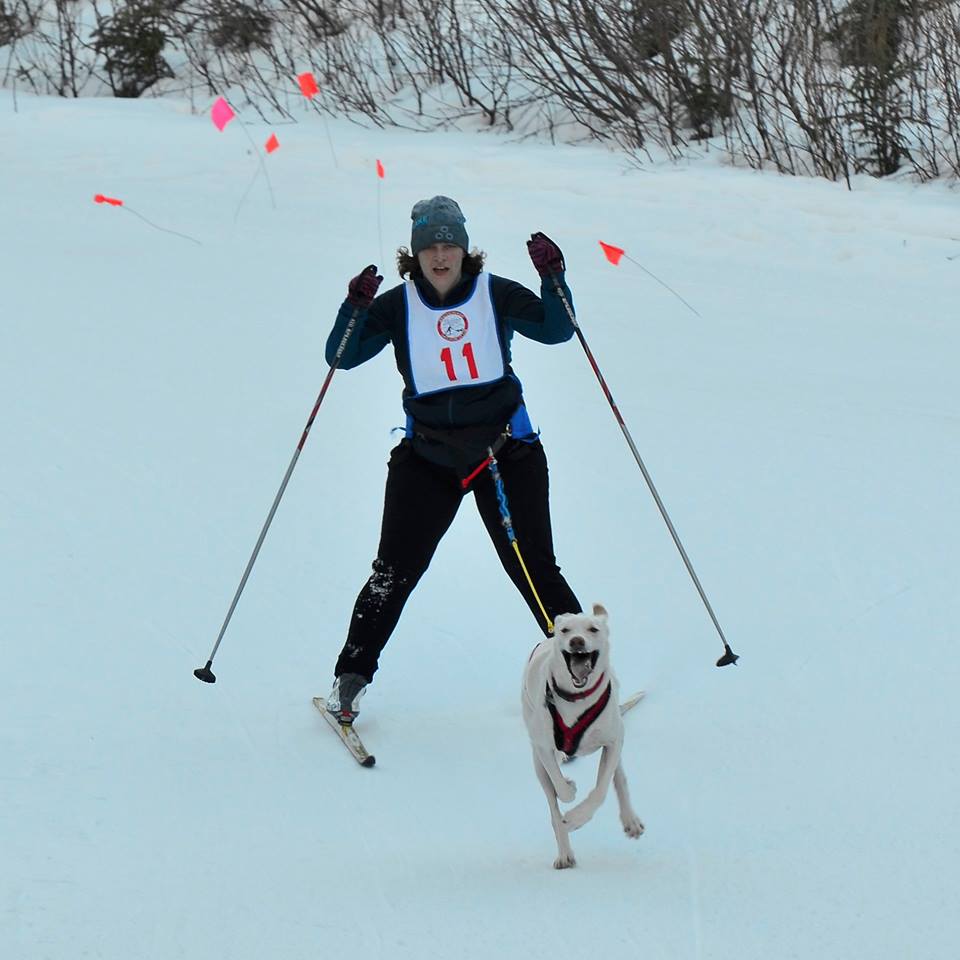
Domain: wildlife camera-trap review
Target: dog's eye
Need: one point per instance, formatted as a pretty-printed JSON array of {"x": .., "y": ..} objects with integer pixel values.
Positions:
[
  {"x": 593, "y": 629},
  {"x": 564, "y": 629}
]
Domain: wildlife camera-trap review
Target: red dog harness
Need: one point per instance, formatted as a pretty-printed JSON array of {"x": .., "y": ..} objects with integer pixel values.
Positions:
[{"x": 567, "y": 739}]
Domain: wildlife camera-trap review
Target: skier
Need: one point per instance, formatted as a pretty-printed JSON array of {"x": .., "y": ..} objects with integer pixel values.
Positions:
[{"x": 451, "y": 328}]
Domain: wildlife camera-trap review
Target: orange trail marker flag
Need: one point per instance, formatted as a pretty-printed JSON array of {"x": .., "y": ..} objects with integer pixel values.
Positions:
[
  {"x": 613, "y": 254},
  {"x": 309, "y": 88},
  {"x": 272, "y": 144},
  {"x": 221, "y": 113},
  {"x": 114, "y": 202},
  {"x": 308, "y": 85},
  {"x": 381, "y": 174}
]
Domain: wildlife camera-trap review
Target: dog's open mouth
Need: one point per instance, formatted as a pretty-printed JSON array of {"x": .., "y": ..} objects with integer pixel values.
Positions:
[{"x": 580, "y": 665}]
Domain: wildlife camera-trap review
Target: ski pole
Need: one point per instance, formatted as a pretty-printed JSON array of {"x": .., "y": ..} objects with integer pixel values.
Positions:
[
  {"x": 205, "y": 673},
  {"x": 728, "y": 656}
]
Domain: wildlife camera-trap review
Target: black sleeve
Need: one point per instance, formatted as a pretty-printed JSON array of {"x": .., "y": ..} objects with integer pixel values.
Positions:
[
  {"x": 371, "y": 333},
  {"x": 545, "y": 320}
]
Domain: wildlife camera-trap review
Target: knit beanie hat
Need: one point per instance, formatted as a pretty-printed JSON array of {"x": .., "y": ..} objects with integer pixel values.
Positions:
[{"x": 437, "y": 220}]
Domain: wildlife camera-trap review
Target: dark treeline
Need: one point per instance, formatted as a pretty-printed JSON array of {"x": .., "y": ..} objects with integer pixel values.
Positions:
[{"x": 813, "y": 86}]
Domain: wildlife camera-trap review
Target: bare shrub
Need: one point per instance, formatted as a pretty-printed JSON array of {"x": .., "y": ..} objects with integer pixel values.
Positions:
[
  {"x": 15, "y": 22},
  {"x": 239, "y": 27},
  {"x": 53, "y": 56},
  {"x": 131, "y": 42}
]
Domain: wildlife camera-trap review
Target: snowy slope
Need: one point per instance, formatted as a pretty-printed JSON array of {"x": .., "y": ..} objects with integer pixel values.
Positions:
[{"x": 803, "y": 434}]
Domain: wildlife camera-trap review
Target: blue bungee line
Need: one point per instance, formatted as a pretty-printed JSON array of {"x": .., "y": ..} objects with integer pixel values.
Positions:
[
  {"x": 508, "y": 526},
  {"x": 502, "y": 499}
]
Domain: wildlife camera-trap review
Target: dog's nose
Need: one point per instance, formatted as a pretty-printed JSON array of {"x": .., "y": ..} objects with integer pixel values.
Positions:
[{"x": 577, "y": 644}]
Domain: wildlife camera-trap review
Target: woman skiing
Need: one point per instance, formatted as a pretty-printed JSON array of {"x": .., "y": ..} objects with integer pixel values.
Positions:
[{"x": 451, "y": 327}]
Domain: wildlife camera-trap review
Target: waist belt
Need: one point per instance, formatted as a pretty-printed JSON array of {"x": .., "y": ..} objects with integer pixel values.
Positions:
[{"x": 468, "y": 445}]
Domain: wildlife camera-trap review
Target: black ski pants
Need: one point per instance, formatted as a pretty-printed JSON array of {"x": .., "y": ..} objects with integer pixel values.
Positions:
[{"x": 420, "y": 503}]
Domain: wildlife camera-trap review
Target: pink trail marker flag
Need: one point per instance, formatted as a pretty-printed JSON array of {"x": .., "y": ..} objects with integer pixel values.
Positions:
[
  {"x": 381, "y": 173},
  {"x": 272, "y": 144},
  {"x": 613, "y": 254},
  {"x": 221, "y": 113},
  {"x": 308, "y": 85}
]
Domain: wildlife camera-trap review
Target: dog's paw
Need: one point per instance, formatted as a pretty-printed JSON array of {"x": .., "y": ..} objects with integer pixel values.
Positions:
[
  {"x": 633, "y": 827},
  {"x": 567, "y": 791},
  {"x": 564, "y": 862}
]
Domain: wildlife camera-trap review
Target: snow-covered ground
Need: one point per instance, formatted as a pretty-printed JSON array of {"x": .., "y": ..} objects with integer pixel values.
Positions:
[{"x": 804, "y": 434}]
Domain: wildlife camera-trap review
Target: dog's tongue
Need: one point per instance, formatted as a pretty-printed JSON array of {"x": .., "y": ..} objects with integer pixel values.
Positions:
[{"x": 580, "y": 665}]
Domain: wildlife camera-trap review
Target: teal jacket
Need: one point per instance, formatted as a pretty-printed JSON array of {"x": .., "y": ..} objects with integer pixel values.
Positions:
[{"x": 489, "y": 405}]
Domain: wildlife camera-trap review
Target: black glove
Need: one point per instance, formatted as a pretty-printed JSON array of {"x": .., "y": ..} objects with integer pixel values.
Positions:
[
  {"x": 547, "y": 257},
  {"x": 363, "y": 287}
]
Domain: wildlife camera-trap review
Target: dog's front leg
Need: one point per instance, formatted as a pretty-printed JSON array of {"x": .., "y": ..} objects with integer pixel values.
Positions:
[
  {"x": 583, "y": 811},
  {"x": 565, "y": 856},
  {"x": 632, "y": 825},
  {"x": 565, "y": 789}
]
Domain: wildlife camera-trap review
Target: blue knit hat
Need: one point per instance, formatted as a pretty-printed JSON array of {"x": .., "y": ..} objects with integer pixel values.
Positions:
[{"x": 437, "y": 220}]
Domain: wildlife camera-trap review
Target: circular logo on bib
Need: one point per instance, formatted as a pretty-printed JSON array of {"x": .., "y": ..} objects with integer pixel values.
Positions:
[{"x": 452, "y": 325}]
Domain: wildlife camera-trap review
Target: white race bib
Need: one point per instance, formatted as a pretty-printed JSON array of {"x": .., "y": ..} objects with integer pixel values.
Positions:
[{"x": 453, "y": 346}]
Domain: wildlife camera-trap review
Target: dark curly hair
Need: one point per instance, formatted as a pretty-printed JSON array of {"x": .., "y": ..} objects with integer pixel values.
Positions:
[{"x": 409, "y": 266}]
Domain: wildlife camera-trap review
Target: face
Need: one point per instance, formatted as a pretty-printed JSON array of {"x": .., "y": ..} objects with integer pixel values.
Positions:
[
  {"x": 441, "y": 265},
  {"x": 582, "y": 643}
]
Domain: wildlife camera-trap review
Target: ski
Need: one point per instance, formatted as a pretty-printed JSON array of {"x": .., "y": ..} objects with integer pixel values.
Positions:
[
  {"x": 631, "y": 701},
  {"x": 349, "y": 736}
]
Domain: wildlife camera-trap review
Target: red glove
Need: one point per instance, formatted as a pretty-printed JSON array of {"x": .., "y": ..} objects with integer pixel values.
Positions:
[
  {"x": 545, "y": 254},
  {"x": 363, "y": 287}
]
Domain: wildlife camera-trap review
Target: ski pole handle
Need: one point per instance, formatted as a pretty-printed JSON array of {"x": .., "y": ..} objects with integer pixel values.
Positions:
[{"x": 351, "y": 323}]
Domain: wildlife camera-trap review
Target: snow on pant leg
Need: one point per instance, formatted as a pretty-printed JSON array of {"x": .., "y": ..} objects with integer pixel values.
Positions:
[
  {"x": 523, "y": 467},
  {"x": 420, "y": 502}
]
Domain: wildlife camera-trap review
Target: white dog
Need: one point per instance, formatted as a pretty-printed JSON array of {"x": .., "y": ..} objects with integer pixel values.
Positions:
[{"x": 571, "y": 709}]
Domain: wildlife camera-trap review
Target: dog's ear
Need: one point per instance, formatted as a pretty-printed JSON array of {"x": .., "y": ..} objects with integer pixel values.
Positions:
[{"x": 599, "y": 610}]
